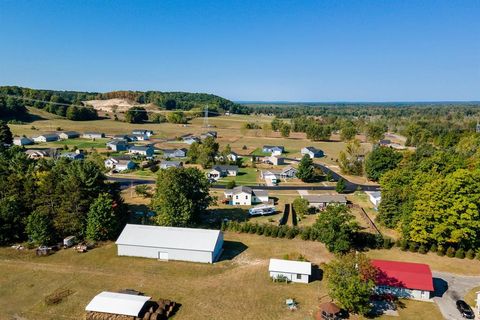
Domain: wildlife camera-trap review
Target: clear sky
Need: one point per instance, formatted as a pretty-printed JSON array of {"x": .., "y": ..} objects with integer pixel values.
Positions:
[{"x": 247, "y": 50}]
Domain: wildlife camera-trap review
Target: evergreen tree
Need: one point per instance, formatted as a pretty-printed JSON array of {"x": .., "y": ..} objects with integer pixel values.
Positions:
[
  {"x": 39, "y": 227},
  {"x": 6, "y": 136},
  {"x": 306, "y": 170},
  {"x": 101, "y": 219},
  {"x": 341, "y": 186}
]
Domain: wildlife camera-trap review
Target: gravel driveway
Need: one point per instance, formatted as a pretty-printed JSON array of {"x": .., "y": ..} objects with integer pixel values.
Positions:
[{"x": 449, "y": 288}]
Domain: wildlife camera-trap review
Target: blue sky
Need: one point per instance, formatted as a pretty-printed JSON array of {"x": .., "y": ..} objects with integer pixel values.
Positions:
[{"x": 247, "y": 50}]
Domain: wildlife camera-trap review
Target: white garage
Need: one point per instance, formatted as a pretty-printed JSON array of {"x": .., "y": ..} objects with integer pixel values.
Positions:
[
  {"x": 169, "y": 243},
  {"x": 295, "y": 271}
]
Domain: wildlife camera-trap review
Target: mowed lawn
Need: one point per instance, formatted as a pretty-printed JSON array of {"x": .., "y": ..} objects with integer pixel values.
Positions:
[{"x": 245, "y": 176}]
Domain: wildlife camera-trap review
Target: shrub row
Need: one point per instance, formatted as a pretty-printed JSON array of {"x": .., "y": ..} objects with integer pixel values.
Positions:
[{"x": 440, "y": 250}]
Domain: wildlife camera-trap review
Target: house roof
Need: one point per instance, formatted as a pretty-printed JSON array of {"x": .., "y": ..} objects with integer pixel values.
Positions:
[
  {"x": 403, "y": 275},
  {"x": 312, "y": 149},
  {"x": 260, "y": 193},
  {"x": 374, "y": 194},
  {"x": 117, "y": 142},
  {"x": 169, "y": 237},
  {"x": 48, "y": 135},
  {"x": 288, "y": 168},
  {"x": 271, "y": 147},
  {"x": 117, "y": 303},
  {"x": 325, "y": 198},
  {"x": 225, "y": 168},
  {"x": 171, "y": 163},
  {"x": 70, "y": 133},
  {"x": 92, "y": 132},
  {"x": 239, "y": 189},
  {"x": 140, "y": 148},
  {"x": 290, "y": 266}
]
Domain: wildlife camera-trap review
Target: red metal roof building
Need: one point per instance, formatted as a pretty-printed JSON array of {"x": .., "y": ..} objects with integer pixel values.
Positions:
[{"x": 406, "y": 275}]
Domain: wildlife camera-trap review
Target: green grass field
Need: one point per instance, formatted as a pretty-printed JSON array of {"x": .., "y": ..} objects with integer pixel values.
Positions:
[
  {"x": 80, "y": 143},
  {"x": 245, "y": 176}
]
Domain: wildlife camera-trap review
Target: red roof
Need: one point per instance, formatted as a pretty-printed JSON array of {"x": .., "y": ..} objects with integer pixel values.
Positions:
[{"x": 403, "y": 275}]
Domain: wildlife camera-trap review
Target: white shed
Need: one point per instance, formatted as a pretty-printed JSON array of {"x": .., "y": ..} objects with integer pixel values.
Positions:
[
  {"x": 117, "y": 303},
  {"x": 375, "y": 197},
  {"x": 295, "y": 271},
  {"x": 170, "y": 243}
]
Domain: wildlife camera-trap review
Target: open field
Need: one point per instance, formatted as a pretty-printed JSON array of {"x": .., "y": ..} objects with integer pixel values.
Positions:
[{"x": 236, "y": 288}]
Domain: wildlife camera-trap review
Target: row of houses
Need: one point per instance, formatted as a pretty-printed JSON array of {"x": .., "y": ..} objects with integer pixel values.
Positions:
[
  {"x": 279, "y": 150},
  {"x": 190, "y": 139}
]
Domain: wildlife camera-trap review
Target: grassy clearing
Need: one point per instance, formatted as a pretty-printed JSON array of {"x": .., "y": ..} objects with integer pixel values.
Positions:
[{"x": 245, "y": 176}]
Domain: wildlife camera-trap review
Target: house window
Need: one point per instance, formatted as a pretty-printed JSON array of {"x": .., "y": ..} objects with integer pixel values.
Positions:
[
  {"x": 299, "y": 276},
  {"x": 236, "y": 197},
  {"x": 246, "y": 197}
]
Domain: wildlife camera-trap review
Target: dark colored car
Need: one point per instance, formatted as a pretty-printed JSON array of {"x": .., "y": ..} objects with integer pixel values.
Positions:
[{"x": 465, "y": 310}]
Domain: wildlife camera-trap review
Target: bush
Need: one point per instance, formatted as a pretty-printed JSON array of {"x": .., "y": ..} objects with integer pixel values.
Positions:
[
  {"x": 477, "y": 256},
  {"x": 441, "y": 251},
  {"x": 305, "y": 233},
  {"x": 422, "y": 249},
  {"x": 450, "y": 252},
  {"x": 260, "y": 229},
  {"x": 433, "y": 248},
  {"x": 274, "y": 232},
  {"x": 387, "y": 243},
  {"x": 267, "y": 231},
  {"x": 460, "y": 254},
  {"x": 412, "y": 247},
  {"x": 403, "y": 245},
  {"x": 253, "y": 228},
  {"x": 470, "y": 254},
  {"x": 231, "y": 184}
]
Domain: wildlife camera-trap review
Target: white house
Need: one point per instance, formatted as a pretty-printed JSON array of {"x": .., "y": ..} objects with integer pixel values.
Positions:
[
  {"x": 222, "y": 171},
  {"x": 143, "y": 132},
  {"x": 312, "y": 152},
  {"x": 118, "y": 304},
  {"x": 276, "y": 161},
  {"x": 321, "y": 201},
  {"x": 294, "y": 271},
  {"x": 245, "y": 196},
  {"x": 190, "y": 139},
  {"x": 139, "y": 137},
  {"x": 175, "y": 153},
  {"x": 375, "y": 197},
  {"x": 142, "y": 151},
  {"x": 169, "y": 243},
  {"x": 403, "y": 279},
  {"x": 22, "y": 141},
  {"x": 274, "y": 150},
  {"x": 119, "y": 164},
  {"x": 46, "y": 137},
  {"x": 64, "y": 135},
  {"x": 170, "y": 164},
  {"x": 274, "y": 176},
  {"x": 93, "y": 135},
  {"x": 36, "y": 154}
]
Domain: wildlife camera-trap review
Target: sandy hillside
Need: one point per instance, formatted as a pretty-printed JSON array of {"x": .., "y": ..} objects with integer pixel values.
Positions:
[{"x": 121, "y": 105}]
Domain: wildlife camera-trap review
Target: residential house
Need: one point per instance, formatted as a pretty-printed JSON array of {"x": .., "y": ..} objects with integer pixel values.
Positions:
[
  {"x": 145, "y": 151},
  {"x": 36, "y": 154},
  {"x": 294, "y": 271},
  {"x": 272, "y": 176},
  {"x": 175, "y": 153},
  {"x": 385, "y": 142},
  {"x": 48, "y": 137},
  {"x": 170, "y": 164},
  {"x": 22, "y": 141},
  {"x": 288, "y": 172},
  {"x": 205, "y": 135},
  {"x": 233, "y": 156},
  {"x": 119, "y": 164},
  {"x": 403, "y": 279},
  {"x": 246, "y": 196},
  {"x": 271, "y": 149},
  {"x": 170, "y": 243},
  {"x": 64, "y": 135},
  {"x": 73, "y": 155},
  {"x": 375, "y": 197},
  {"x": 190, "y": 139},
  {"x": 93, "y": 135},
  {"x": 312, "y": 152},
  {"x": 121, "y": 137},
  {"x": 222, "y": 171},
  {"x": 143, "y": 132},
  {"x": 139, "y": 137},
  {"x": 321, "y": 201},
  {"x": 118, "y": 145},
  {"x": 276, "y": 161}
]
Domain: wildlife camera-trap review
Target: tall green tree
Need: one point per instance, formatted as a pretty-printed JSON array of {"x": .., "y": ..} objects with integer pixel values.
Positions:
[
  {"x": 102, "y": 224},
  {"x": 336, "y": 228},
  {"x": 375, "y": 131},
  {"x": 39, "y": 227},
  {"x": 381, "y": 160},
  {"x": 301, "y": 206},
  {"x": 136, "y": 115},
  {"x": 182, "y": 196},
  {"x": 306, "y": 169},
  {"x": 351, "y": 160},
  {"x": 351, "y": 282},
  {"x": 340, "y": 186},
  {"x": 6, "y": 136},
  {"x": 285, "y": 130}
]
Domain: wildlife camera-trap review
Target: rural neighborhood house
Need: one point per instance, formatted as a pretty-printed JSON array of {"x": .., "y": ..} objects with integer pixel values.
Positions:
[{"x": 294, "y": 271}]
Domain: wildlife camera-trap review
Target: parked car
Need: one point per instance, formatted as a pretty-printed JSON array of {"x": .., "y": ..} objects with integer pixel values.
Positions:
[{"x": 465, "y": 310}]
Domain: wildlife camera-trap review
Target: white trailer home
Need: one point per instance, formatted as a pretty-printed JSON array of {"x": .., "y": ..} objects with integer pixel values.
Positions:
[
  {"x": 294, "y": 271},
  {"x": 169, "y": 243}
]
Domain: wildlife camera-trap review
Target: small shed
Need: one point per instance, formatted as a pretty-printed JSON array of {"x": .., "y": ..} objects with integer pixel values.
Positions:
[
  {"x": 170, "y": 243},
  {"x": 118, "y": 303},
  {"x": 295, "y": 271},
  {"x": 328, "y": 310}
]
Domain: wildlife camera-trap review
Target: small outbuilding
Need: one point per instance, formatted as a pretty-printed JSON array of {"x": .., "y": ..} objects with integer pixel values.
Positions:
[
  {"x": 375, "y": 197},
  {"x": 118, "y": 304},
  {"x": 294, "y": 271},
  {"x": 22, "y": 141},
  {"x": 170, "y": 243}
]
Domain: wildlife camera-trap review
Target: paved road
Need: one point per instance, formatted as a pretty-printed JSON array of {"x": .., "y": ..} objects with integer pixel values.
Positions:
[
  {"x": 350, "y": 186},
  {"x": 456, "y": 287}
]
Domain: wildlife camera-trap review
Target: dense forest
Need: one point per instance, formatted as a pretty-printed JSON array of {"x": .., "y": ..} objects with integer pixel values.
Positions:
[{"x": 69, "y": 103}]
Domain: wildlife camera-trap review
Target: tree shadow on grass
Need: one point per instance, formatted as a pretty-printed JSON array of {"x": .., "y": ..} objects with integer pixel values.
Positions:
[{"x": 231, "y": 249}]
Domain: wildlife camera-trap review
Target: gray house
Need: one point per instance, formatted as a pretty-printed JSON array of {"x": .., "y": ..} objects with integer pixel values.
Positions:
[
  {"x": 175, "y": 153},
  {"x": 169, "y": 243},
  {"x": 48, "y": 137},
  {"x": 271, "y": 149},
  {"x": 222, "y": 171},
  {"x": 93, "y": 135},
  {"x": 312, "y": 152},
  {"x": 118, "y": 145},
  {"x": 22, "y": 141},
  {"x": 142, "y": 151},
  {"x": 321, "y": 201},
  {"x": 68, "y": 135},
  {"x": 73, "y": 155},
  {"x": 170, "y": 164}
]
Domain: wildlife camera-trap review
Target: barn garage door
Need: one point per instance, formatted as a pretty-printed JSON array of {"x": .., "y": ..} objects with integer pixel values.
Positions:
[{"x": 163, "y": 255}]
